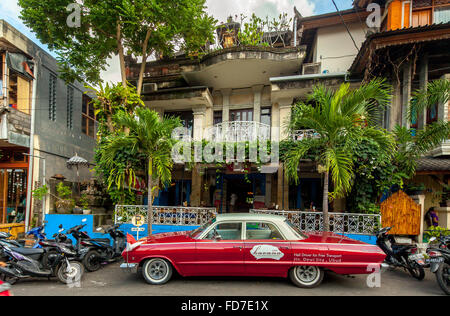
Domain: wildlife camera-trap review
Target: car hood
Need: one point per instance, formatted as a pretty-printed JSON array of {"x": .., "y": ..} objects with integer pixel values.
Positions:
[
  {"x": 330, "y": 238},
  {"x": 167, "y": 237}
]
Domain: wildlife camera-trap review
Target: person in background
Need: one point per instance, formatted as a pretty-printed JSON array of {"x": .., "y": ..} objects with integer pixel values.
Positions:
[
  {"x": 233, "y": 200},
  {"x": 432, "y": 218}
]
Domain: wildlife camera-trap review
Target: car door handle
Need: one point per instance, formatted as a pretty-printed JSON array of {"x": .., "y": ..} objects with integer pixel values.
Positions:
[
  {"x": 284, "y": 247},
  {"x": 240, "y": 247}
]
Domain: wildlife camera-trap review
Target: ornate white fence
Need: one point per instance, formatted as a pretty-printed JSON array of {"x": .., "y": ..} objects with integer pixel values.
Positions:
[
  {"x": 361, "y": 224},
  {"x": 238, "y": 131},
  {"x": 166, "y": 215}
]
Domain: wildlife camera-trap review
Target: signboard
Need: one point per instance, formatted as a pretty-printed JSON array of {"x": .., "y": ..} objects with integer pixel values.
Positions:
[
  {"x": 138, "y": 220},
  {"x": 138, "y": 229}
]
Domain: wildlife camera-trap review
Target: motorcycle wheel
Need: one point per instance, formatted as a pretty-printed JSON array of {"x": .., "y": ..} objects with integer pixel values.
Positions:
[
  {"x": 416, "y": 271},
  {"x": 8, "y": 279},
  {"x": 91, "y": 261},
  {"x": 73, "y": 275},
  {"x": 443, "y": 277}
]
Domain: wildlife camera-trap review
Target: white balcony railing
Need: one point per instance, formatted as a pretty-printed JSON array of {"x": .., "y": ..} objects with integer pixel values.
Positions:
[
  {"x": 238, "y": 131},
  {"x": 304, "y": 133}
]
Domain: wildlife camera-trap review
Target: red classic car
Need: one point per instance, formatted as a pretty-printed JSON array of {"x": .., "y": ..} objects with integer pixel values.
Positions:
[
  {"x": 250, "y": 245},
  {"x": 4, "y": 289}
]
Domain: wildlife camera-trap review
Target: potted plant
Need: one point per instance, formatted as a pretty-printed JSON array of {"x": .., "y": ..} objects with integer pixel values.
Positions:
[
  {"x": 84, "y": 202},
  {"x": 64, "y": 204},
  {"x": 415, "y": 189}
]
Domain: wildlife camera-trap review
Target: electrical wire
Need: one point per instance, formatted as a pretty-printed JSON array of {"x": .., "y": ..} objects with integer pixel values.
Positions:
[{"x": 343, "y": 22}]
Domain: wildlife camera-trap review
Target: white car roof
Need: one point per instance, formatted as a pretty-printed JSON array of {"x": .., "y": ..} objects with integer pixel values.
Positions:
[{"x": 249, "y": 217}]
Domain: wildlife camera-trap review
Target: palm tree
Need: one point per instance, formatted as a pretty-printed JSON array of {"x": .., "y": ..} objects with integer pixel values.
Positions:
[
  {"x": 151, "y": 136},
  {"x": 339, "y": 119},
  {"x": 412, "y": 144}
]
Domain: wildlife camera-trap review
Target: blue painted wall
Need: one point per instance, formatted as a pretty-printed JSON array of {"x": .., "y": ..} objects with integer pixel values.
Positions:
[{"x": 69, "y": 221}]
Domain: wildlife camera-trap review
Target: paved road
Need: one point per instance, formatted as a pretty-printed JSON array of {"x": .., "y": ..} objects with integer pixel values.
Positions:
[{"x": 111, "y": 280}]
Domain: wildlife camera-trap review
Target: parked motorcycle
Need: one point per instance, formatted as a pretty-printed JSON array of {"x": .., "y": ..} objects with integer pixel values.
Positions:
[
  {"x": 27, "y": 264},
  {"x": 399, "y": 255},
  {"x": 101, "y": 249},
  {"x": 439, "y": 260}
]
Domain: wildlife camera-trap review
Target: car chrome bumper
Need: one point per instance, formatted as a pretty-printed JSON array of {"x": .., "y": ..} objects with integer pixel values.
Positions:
[
  {"x": 384, "y": 267},
  {"x": 129, "y": 267}
]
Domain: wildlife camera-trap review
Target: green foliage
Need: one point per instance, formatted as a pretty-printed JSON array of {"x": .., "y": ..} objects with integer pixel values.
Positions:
[
  {"x": 340, "y": 120},
  {"x": 252, "y": 32},
  {"x": 40, "y": 192},
  {"x": 63, "y": 191},
  {"x": 84, "y": 201},
  {"x": 436, "y": 231},
  {"x": 83, "y": 51}
]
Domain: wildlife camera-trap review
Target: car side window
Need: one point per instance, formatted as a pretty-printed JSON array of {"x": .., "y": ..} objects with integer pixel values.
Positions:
[
  {"x": 261, "y": 230},
  {"x": 225, "y": 231}
]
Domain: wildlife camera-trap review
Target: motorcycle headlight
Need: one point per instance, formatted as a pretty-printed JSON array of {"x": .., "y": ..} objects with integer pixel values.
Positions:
[{"x": 67, "y": 250}]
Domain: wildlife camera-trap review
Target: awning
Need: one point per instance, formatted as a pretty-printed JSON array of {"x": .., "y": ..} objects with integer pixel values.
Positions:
[{"x": 20, "y": 63}]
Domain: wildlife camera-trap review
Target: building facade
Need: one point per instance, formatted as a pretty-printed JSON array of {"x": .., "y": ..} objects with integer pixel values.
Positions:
[{"x": 42, "y": 116}]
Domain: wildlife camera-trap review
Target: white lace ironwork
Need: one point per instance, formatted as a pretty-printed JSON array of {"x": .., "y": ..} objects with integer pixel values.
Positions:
[
  {"x": 238, "y": 131},
  {"x": 166, "y": 215},
  {"x": 349, "y": 223}
]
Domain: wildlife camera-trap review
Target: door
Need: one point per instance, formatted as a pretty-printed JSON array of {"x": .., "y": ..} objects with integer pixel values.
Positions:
[
  {"x": 220, "y": 251},
  {"x": 266, "y": 252}
]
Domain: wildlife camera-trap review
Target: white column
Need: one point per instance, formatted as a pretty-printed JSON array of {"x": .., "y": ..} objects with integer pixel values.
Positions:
[
  {"x": 199, "y": 121},
  {"x": 226, "y": 93},
  {"x": 257, "y": 95}
]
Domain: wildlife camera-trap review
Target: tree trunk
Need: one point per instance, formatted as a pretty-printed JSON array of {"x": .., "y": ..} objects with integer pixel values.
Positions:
[
  {"x": 150, "y": 204},
  {"x": 326, "y": 219},
  {"x": 144, "y": 62},
  {"x": 121, "y": 56}
]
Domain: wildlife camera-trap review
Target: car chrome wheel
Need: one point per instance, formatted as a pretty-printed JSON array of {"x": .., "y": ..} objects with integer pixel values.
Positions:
[
  {"x": 306, "y": 276},
  {"x": 157, "y": 271}
]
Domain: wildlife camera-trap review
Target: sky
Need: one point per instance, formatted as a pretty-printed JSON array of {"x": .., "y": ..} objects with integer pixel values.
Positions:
[{"x": 220, "y": 9}]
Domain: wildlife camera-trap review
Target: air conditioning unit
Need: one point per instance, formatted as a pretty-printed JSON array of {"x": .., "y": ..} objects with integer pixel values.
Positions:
[
  {"x": 311, "y": 69},
  {"x": 149, "y": 87}
]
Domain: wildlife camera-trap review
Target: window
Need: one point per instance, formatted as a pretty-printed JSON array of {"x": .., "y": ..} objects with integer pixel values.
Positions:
[
  {"x": 241, "y": 115},
  {"x": 261, "y": 230},
  {"x": 186, "y": 117},
  {"x": 52, "y": 98},
  {"x": 432, "y": 114},
  {"x": 225, "y": 231},
  {"x": 69, "y": 107},
  {"x": 217, "y": 117},
  {"x": 88, "y": 122},
  {"x": 442, "y": 15},
  {"x": 265, "y": 116}
]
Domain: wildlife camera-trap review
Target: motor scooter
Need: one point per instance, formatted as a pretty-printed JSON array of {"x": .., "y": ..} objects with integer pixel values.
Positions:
[{"x": 400, "y": 255}]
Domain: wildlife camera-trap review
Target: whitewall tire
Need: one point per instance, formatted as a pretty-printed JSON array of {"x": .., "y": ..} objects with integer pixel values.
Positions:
[
  {"x": 306, "y": 276},
  {"x": 157, "y": 271}
]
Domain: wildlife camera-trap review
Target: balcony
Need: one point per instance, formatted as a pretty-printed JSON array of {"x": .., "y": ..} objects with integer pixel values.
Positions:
[{"x": 238, "y": 131}]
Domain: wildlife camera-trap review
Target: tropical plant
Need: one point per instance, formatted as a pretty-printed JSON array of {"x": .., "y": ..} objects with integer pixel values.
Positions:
[
  {"x": 413, "y": 143},
  {"x": 149, "y": 135},
  {"x": 340, "y": 119},
  {"x": 40, "y": 192}
]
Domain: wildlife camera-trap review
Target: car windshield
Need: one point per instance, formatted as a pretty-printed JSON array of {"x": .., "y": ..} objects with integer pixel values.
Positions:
[
  {"x": 197, "y": 232},
  {"x": 296, "y": 230}
]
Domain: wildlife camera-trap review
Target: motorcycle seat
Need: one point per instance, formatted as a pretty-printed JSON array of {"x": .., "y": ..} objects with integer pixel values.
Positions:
[{"x": 28, "y": 251}]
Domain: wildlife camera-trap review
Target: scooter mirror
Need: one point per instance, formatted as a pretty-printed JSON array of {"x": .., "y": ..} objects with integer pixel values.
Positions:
[
  {"x": 60, "y": 226},
  {"x": 84, "y": 220}
]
